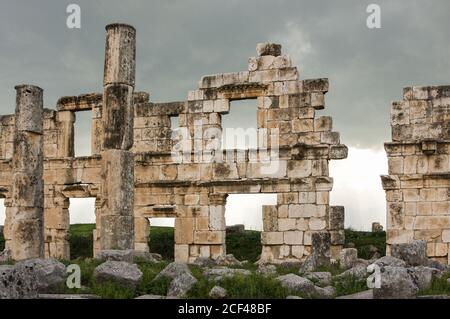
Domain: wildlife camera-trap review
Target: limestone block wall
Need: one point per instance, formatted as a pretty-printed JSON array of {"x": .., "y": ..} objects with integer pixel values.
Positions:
[
  {"x": 417, "y": 187},
  {"x": 194, "y": 189},
  {"x": 185, "y": 173}
]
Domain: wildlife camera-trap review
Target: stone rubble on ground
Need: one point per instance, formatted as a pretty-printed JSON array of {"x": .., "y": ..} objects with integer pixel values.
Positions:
[
  {"x": 396, "y": 283},
  {"x": 181, "y": 284},
  {"x": 219, "y": 273},
  {"x": 414, "y": 253},
  {"x": 49, "y": 273},
  {"x": 348, "y": 258},
  {"x": 218, "y": 292},
  {"x": 321, "y": 279},
  {"x": 173, "y": 270},
  {"x": 267, "y": 270},
  {"x": 181, "y": 277},
  {"x": 128, "y": 255},
  {"x": 305, "y": 286},
  {"x": 16, "y": 284},
  {"x": 68, "y": 296},
  {"x": 120, "y": 272}
]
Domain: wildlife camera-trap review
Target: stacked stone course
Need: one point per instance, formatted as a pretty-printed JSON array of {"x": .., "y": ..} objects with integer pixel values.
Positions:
[
  {"x": 134, "y": 175},
  {"x": 417, "y": 187}
]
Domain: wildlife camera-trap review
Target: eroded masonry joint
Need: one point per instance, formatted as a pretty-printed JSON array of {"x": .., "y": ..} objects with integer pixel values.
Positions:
[
  {"x": 142, "y": 168},
  {"x": 417, "y": 187}
]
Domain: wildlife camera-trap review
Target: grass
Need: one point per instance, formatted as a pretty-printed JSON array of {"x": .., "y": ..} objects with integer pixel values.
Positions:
[
  {"x": 363, "y": 241},
  {"x": 349, "y": 285},
  {"x": 253, "y": 286},
  {"x": 162, "y": 241},
  {"x": 244, "y": 246},
  {"x": 439, "y": 286}
]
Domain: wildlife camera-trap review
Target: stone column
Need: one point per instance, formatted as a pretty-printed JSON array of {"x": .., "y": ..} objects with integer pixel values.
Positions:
[
  {"x": 117, "y": 195},
  {"x": 27, "y": 206}
]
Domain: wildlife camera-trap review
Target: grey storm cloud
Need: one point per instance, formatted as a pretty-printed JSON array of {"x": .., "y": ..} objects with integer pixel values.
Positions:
[{"x": 179, "y": 41}]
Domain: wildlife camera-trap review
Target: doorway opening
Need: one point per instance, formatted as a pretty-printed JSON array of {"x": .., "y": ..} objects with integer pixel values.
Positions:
[
  {"x": 82, "y": 225},
  {"x": 162, "y": 237},
  {"x": 244, "y": 221}
]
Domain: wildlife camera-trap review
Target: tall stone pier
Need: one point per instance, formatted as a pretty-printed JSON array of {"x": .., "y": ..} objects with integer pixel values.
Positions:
[
  {"x": 26, "y": 236},
  {"x": 117, "y": 190},
  {"x": 418, "y": 184}
]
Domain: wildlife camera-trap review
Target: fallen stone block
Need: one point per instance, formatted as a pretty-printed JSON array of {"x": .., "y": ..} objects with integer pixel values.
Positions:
[
  {"x": 174, "y": 270},
  {"x": 120, "y": 272},
  {"x": 49, "y": 273},
  {"x": 396, "y": 283},
  {"x": 218, "y": 292},
  {"x": 217, "y": 274},
  {"x": 348, "y": 258},
  {"x": 414, "y": 253},
  {"x": 319, "y": 278},
  {"x": 16, "y": 284},
  {"x": 181, "y": 285}
]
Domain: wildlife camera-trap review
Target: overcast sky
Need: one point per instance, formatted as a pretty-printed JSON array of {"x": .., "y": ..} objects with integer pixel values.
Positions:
[{"x": 179, "y": 41}]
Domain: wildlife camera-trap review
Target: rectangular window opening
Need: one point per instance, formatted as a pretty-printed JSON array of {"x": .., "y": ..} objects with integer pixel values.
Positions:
[
  {"x": 83, "y": 133},
  {"x": 239, "y": 126}
]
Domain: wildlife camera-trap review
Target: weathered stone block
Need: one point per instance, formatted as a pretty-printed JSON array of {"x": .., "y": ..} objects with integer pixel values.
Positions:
[
  {"x": 272, "y": 238},
  {"x": 120, "y": 54},
  {"x": 336, "y": 219},
  {"x": 293, "y": 237},
  {"x": 209, "y": 237},
  {"x": 263, "y": 49}
]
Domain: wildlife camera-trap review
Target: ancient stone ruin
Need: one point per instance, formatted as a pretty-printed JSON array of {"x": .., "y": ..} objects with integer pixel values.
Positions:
[
  {"x": 142, "y": 168},
  {"x": 417, "y": 187}
]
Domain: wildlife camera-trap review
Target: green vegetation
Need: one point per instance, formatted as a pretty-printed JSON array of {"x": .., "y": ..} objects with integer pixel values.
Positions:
[
  {"x": 364, "y": 240},
  {"x": 81, "y": 240},
  {"x": 254, "y": 286},
  {"x": 349, "y": 285},
  {"x": 439, "y": 286},
  {"x": 244, "y": 246},
  {"x": 162, "y": 241}
]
